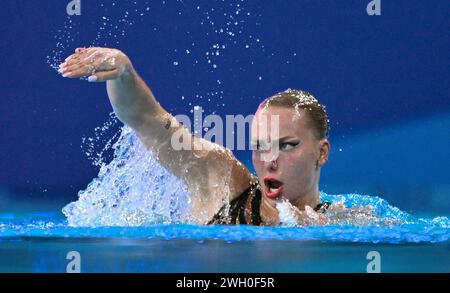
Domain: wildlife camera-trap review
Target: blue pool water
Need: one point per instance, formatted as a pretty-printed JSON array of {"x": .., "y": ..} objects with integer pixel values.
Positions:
[{"x": 39, "y": 242}]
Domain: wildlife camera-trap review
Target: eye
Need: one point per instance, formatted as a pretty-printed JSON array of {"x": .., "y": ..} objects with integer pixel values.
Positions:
[{"x": 286, "y": 146}]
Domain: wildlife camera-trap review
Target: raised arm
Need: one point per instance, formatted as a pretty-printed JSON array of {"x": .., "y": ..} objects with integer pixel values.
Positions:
[{"x": 208, "y": 169}]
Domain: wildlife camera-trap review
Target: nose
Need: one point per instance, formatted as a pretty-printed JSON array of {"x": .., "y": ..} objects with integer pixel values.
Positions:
[{"x": 271, "y": 165}]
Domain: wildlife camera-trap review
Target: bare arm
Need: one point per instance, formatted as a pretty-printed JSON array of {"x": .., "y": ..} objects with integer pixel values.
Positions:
[{"x": 204, "y": 168}]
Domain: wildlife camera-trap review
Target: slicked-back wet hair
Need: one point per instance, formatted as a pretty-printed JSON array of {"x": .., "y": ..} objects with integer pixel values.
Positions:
[{"x": 298, "y": 99}]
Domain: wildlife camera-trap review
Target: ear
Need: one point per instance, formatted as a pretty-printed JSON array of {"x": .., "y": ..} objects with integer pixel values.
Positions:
[{"x": 324, "y": 150}]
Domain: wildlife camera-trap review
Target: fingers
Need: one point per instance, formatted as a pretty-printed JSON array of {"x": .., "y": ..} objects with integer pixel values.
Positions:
[
  {"x": 79, "y": 64},
  {"x": 79, "y": 71},
  {"x": 70, "y": 63},
  {"x": 102, "y": 61},
  {"x": 68, "y": 67},
  {"x": 80, "y": 53},
  {"x": 98, "y": 64},
  {"x": 76, "y": 62},
  {"x": 72, "y": 59},
  {"x": 79, "y": 50},
  {"x": 87, "y": 51},
  {"x": 91, "y": 57},
  {"x": 83, "y": 49}
]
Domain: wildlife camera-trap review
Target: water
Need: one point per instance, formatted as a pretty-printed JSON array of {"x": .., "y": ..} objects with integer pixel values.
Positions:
[
  {"x": 40, "y": 242},
  {"x": 134, "y": 189},
  {"x": 136, "y": 216},
  {"x": 185, "y": 255},
  {"x": 120, "y": 224},
  {"x": 431, "y": 231}
]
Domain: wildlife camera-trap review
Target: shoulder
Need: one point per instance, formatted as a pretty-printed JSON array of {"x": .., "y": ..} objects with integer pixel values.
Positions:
[{"x": 243, "y": 209}]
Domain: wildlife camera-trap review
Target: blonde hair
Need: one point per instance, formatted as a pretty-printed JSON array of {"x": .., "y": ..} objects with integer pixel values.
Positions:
[{"x": 298, "y": 99}]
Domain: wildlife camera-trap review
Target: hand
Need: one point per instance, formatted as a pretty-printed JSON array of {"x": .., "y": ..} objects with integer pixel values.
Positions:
[{"x": 98, "y": 64}]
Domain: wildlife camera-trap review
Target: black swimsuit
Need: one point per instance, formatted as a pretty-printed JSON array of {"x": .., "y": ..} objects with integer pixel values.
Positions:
[{"x": 245, "y": 209}]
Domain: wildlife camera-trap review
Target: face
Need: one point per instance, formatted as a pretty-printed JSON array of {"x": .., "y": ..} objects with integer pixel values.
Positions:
[{"x": 286, "y": 161}]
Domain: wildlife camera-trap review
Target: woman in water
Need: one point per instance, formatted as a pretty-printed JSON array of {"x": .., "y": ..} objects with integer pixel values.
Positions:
[{"x": 289, "y": 178}]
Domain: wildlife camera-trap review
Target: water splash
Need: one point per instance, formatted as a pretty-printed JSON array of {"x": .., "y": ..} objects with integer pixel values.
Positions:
[
  {"x": 366, "y": 210},
  {"x": 352, "y": 210},
  {"x": 210, "y": 36},
  {"x": 112, "y": 22},
  {"x": 65, "y": 40},
  {"x": 286, "y": 212},
  {"x": 133, "y": 189},
  {"x": 103, "y": 139}
]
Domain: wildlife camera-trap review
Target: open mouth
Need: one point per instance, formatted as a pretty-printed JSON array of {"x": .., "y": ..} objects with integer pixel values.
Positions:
[{"x": 273, "y": 188}]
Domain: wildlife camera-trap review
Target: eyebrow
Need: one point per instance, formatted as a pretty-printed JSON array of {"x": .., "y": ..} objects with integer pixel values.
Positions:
[
  {"x": 287, "y": 137},
  {"x": 280, "y": 139}
]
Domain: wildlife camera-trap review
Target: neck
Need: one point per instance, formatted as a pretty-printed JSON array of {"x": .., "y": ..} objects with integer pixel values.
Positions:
[{"x": 311, "y": 198}]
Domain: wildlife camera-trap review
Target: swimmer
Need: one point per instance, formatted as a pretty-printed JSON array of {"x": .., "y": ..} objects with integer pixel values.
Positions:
[{"x": 291, "y": 177}]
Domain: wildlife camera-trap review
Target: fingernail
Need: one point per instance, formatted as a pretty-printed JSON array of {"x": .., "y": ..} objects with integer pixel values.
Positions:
[
  {"x": 62, "y": 64},
  {"x": 92, "y": 78},
  {"x": 60, "y": 70},
  {"x": 65, "y": 75}
]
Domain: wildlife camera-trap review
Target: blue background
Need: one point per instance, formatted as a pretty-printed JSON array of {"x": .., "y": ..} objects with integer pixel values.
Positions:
[{"x": 384, "y": 79}]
